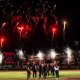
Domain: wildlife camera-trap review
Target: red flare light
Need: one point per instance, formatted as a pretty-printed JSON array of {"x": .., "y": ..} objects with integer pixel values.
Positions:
[
  {"x": 1, "y": 41},
  {"x": 54, "y": 30}
]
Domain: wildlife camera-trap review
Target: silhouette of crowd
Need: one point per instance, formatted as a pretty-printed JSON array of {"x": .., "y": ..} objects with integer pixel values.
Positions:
[{"x": 42, "y": 70}]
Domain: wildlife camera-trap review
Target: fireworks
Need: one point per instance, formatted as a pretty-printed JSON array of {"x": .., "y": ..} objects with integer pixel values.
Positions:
[
  {"x": 69, "y": 54},
  {"x": 40, "y": 55},
  {"x": 26, "y": 19},
  {"x": 20, "y": 29},
  {"x": 20, "y": 53},
  {"x": 23, "y": 29},
  {"x": 28, "y": 12},
  {"x": 52, "y": 54},
  {"x": 4, "y": 24},
  {"x": 1, "y": 41},
  {"x": 1, "y": 57}
]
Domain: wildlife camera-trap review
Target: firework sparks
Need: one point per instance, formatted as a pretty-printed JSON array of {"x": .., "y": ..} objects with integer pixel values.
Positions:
[
  {"x": 1, "y": 42},
  {"x": 30, "y": 13},
  {"x": 20, "y": 53},
  {"x": 4, "y": 24},
  {"x": 69, "y": 54},
  {"x": 20, "y": 29},
  {"x": 40, "y": 55},
  {"x": 52, "y": 54},
  {"x": 1, "y": 57}
]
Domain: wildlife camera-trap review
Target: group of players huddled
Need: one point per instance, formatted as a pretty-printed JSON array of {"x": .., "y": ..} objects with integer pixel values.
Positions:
[{"x": 42, "y": 70}]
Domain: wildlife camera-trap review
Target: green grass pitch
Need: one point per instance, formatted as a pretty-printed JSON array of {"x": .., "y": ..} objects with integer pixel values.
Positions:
[{"x": 21, "y": 75}]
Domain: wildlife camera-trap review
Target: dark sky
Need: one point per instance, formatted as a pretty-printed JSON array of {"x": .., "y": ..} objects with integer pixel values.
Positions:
[
  {"x": 18, "y": 9},
  {"x": 69, "y": 10}
]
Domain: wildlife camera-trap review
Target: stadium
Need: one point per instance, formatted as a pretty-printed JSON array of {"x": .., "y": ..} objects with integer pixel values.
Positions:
[{"x": 39, "y": 40}]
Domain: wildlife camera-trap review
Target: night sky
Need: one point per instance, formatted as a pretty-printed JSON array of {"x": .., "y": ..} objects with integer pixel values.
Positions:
[
  {"x": 69, "y": 11},
  {"x": 38, "y": 17}
]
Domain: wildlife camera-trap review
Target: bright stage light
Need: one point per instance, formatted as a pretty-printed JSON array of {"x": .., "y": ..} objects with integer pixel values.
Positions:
[{"x": 40, "y": 55}]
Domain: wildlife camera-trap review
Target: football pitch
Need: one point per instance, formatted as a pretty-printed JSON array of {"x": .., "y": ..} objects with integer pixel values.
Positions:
[{"x": 21, "y": 75}]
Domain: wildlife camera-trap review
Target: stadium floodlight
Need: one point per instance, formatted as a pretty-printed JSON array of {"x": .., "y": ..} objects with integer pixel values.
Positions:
[{"x": 40, "y": 55}]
